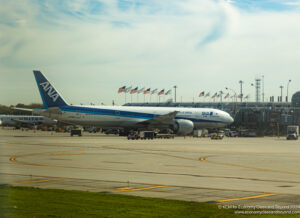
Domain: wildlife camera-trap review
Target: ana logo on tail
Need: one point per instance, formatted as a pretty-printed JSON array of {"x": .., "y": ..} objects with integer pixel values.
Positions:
[{"x": 50, "y": 90}]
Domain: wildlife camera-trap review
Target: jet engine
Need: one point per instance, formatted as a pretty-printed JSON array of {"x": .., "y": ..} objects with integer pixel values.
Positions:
[{"x": 183, "y": 127}]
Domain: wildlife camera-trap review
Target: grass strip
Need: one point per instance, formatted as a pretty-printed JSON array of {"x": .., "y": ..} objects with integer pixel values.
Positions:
[{"x": 34, "y": 202}]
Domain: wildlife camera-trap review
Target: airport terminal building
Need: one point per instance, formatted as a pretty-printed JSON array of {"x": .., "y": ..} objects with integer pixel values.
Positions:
[{"x": 266, "y": 118}]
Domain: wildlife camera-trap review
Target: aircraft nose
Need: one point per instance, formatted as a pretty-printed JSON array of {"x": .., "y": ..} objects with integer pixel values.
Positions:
[{"x": 230, "y": 119}]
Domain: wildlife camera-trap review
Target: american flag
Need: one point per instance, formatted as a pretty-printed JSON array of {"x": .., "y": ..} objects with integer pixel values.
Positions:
[
  {"x": 147, "y": 91},
  {"x": 122, "y": 89},
  {"x": 214, "y": 95},
  {"x": 227, "y": 96},
  {"x": 201, "y": 94},
  {"x": 161, "y": 92},
  {"x": 135, "y": 90},
  {"x": 168, "y": 92}
]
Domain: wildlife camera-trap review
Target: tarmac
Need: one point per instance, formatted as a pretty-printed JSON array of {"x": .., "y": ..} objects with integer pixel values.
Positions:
[{"x": 233, "y": 171}]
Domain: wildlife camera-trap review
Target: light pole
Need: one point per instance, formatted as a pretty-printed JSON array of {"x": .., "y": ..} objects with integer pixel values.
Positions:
[
  {"x": 287, "y": 90},
  {"x": 175, "y": 87},
  {"x": 254, "y": 88},
  {"x": 263, "y": 88},
  {"x": 235, "y": 97},
  {"x": 241, "y": 85},
  {"x": 281, "y": 87}
]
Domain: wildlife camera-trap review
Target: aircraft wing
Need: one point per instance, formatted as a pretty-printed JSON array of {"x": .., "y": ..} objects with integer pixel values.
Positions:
[
  {"x": 22, "y": 109},
  {"x": 52, "y": 112},
  {"x": 22, "y": 121},
  {"x": 164, "y": 119}
]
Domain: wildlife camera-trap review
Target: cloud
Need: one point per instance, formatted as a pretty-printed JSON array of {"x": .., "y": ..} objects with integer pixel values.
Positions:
[
  {"x": 97, "y": 46},
  {"x": 292, "y": 3}
]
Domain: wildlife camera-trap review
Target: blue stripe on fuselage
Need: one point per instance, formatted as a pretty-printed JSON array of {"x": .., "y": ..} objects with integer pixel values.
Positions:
[
  {"x": 119, "y": 113},
  {"x": 108, "y": 112}
]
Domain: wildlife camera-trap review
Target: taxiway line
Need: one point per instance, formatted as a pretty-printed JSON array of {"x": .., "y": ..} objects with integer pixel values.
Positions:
[
  {"x": 59, "y": 154},
  {"x": 204, "y": 159},
  {"x": 14, "y": 159},
  {"x": 245, "y": 198},
  {"x": 35, "y": 181},
  {"x": 140, "y": 189}
]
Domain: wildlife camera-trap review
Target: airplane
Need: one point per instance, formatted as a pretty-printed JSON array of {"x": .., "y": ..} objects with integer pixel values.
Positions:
[
  {"x": 25, "y": 120},
  {"x": 181, "y": 120}
]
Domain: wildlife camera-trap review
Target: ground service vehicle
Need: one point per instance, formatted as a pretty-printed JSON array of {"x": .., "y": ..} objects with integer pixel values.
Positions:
[
  {"x": 76, "y": 132},
  {"x": 217, "y": 135},
  {"x": 164, "y": 136},
  {"x": 292, "y": 132},
  {"x": 133, "y": 135},
  {"x": 147, "y": 135},
  {"x": 197, "y": 133},
  {"x": 233, "y": 134}
]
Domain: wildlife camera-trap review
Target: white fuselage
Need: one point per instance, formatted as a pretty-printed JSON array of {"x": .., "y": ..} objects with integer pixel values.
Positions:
[
  {"x": 130, "y": 116},
  {"x": 15, "y": 120}
]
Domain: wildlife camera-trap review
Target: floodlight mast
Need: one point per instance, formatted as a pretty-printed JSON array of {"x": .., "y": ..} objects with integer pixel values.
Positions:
[
  {"x": 241, "y": 89},
  {"x": 287, "y": 90},
  {"x": 175, "y": 87}
]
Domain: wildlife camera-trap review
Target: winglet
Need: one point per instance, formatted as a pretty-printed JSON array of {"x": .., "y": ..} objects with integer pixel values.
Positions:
[{"x": 50, "y": 97}]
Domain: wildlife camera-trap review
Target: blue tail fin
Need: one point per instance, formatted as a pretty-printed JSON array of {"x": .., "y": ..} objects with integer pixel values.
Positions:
[{"x": 50, "y": 97}]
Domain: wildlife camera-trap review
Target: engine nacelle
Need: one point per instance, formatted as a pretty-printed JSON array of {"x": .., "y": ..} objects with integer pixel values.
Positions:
[{"x": 183, "y": 127}]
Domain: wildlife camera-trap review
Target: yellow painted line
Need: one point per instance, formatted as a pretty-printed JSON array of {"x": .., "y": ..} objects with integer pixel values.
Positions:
[
  {"x": 245, "y": 198},
  {"x": 35, "y": 181},
  {"x": 124, "y": 188},
  {"x": 141, "y": 189},
  {"x": 57, "y": 154}
]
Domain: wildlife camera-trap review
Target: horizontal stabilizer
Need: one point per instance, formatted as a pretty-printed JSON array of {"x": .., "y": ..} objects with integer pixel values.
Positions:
[{"x": 23, "y": 109}]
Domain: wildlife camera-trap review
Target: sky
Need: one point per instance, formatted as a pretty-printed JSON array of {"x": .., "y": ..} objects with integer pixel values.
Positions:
[{"x": 90, "y": 48}]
